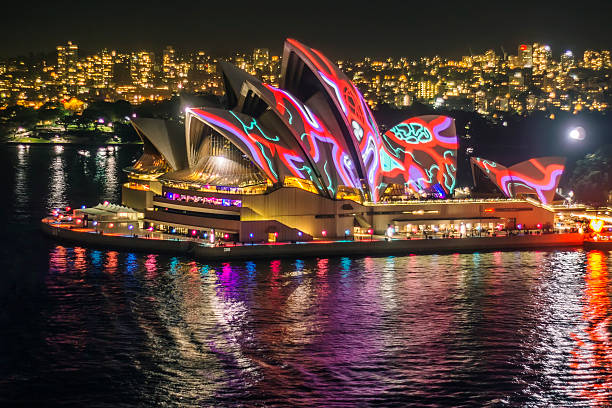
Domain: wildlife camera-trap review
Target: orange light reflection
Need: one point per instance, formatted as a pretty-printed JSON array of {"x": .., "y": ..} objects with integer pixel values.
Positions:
[{"x": 592, "y": 352}]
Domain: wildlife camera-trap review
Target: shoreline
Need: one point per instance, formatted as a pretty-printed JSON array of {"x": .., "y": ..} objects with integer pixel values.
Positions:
[{"x": 315, "y": 249}]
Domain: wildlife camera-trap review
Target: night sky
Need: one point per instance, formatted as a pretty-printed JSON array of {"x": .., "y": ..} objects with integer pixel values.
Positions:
[{"x": 340, "y": 29}]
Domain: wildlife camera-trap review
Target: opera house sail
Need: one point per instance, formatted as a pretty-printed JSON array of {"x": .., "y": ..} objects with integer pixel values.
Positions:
[{"x": 537, "y": 177}]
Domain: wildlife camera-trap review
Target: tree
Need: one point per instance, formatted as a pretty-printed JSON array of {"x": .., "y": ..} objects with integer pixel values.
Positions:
[
  {"x": 592, "y": 178},
  {"x": 51, "y": 112}
]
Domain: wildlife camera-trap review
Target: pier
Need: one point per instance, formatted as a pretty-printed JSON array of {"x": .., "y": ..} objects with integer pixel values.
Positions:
[{"x": 318, "y": 248}]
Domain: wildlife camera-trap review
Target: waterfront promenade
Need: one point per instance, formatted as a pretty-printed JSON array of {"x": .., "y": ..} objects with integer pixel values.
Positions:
[{"x": 202, "y": 251}]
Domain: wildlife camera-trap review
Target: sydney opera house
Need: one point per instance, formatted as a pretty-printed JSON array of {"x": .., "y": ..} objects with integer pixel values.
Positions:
[{"x": 307, "y": 160}]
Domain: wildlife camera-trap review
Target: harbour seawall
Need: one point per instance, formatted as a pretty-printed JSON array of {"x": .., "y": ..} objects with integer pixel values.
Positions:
[{"x": 316, "y": 249}]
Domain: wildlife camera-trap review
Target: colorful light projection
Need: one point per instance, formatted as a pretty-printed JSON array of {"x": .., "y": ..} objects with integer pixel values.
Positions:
[
  {"x": 327, "y": 154},
  {"x": 270, "y": 153},
  {"x": 537, "y": 176},
  {"x": 330, "y": 156},
  {"x": 421, "y": 153},
  {"x": 358, "y": 121}
]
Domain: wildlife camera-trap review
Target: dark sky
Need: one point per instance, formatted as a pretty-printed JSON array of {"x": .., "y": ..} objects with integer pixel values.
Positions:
[{"x": 340, "y": 29}]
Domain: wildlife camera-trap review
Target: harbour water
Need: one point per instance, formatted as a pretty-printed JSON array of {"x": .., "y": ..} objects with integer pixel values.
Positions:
[{"x": 89, "y": 327}]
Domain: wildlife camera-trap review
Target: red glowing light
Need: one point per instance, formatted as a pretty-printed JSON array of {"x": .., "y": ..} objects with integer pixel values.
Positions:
[
  {"x": 539, "y": 226},
  {"x": 226, "y": 236},
  {"x": 67, "y": 208},
  {"x": 78, "y": 220},
  {"x": 370, "y": 231},
  {"x": 489, "y": 210},
  {"x": 111, "y": 225},
  {"x": 276, "y": 234},
  {"x": 523, "y": 47},
  {"x": 324, "y": 233},
  {"x": 193, "y": 232}
]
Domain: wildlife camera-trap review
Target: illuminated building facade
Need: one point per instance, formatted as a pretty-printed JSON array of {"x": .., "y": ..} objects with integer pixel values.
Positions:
[
  {"x": 303, "y": 160},
  {"x": 525, "y": 55},
  {"x": 141, "y": 68},
  {"x": 541, "y": 58},
  {"x": 596, "y": 60},
  {"x": 67, "y": 67}
]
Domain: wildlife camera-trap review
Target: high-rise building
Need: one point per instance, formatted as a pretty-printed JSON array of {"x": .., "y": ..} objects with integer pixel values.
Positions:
[
  {"x": 98, "y": 69},
  {"x": 200, "y": 61},
  {"x": 490, "y": 59},
  {"x": 525, "y": 55},
  {"x": 169, "y": 65},
  {"x": 67, "y": 60},
  {"x": 261, "y": 58},
  {"x": 516, "y": 83},
  {"x": 541, "y": 57},
  {"x": 567, "y": 60},
  {"x": 141, "y": 68},
  {"x": 514, "y": 61},
  {"x": 596, "y": 60},
  {"x": 427, "y": 90}
]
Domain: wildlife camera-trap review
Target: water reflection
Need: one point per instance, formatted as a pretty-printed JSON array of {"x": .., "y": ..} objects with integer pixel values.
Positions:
[
  {"x": 487, "y": 329},
  {"x": 21, "y": 173},
  {"x": 592, "y": 355},
  {"x": 57, "y": 183},
  {"x": 106, "y": 174}
]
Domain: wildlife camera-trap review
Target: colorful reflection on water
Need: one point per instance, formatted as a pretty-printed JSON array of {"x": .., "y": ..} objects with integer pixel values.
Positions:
[
  {"x": 593, "y": 351},
  {"x": 461, "y": 329}
]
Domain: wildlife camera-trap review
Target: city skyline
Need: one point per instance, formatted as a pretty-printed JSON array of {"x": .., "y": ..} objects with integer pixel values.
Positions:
[
  {"x": 84, "y": 50},
  {"x": 529, "y": 78},
  {"x": 346, "y": 31}
]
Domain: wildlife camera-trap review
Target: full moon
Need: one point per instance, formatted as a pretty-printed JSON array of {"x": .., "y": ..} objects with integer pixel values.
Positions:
[{"x": 577, "y": 133}]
